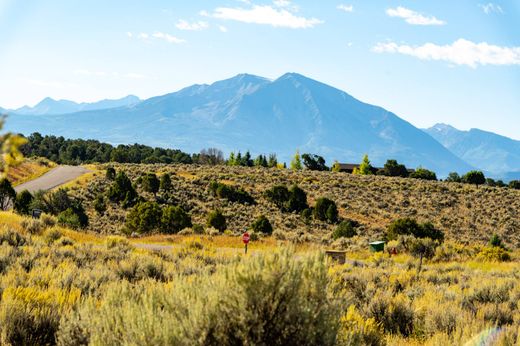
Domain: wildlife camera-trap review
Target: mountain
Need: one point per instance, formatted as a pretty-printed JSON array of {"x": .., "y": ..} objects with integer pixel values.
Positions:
[
  {"x": 492, "y": 153},
  {"x": 248, "y": 112},
  {"x": 49, "y": 106}
]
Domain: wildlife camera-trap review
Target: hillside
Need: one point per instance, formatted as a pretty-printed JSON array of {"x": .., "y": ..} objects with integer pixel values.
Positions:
[
  {"x": 465, "y": 213},
  {"x": 492, "y": 153},
  {"x": 253, "y": 113}
]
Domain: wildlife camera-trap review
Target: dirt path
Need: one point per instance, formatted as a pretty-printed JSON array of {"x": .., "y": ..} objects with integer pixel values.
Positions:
[{"x": 53, "y": 178}]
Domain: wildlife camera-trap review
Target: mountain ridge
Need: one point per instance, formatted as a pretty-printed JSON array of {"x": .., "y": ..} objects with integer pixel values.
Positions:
[
  {"x": 489, "y": 151},
  {"x": 248, "y": 112},
  {"x": 50, "y": 106}
]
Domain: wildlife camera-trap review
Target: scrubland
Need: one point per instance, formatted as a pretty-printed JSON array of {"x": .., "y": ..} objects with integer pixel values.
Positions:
[
  {"x": 96, "y": 286},
  {"x": 64, "y": 287},
  {"x": 465, "y": 213}
]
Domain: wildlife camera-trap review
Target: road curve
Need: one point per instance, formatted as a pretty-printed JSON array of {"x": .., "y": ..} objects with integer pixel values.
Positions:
[{"x": 53, "y": 178}]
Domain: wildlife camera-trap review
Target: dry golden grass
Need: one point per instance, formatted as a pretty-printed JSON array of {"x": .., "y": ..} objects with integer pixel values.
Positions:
[{"x": 29, "y": 169}]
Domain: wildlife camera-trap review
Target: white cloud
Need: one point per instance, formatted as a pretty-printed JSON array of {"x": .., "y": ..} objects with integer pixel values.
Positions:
[
  {"x": 346, "y": 8},
  {"x": 412, "y": 17},
  {"x": 491, "y": 8},
  {"x": 157, "y": 35},
  {"x": 282, "y": 3},
  {"x": 195, "y": 26},
  {"x": 167, "y": 37},
  {"x": 266, "y": 15},
  {"x": 222, "y": 28},
  {"x": 460, "y": 52}
]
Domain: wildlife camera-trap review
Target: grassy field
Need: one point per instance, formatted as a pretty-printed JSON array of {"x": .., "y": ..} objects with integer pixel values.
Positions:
[{"x": 60, "y": 286}]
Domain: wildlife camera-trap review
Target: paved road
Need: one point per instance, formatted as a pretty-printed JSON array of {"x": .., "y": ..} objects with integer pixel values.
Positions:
[{"x": 53, "y": 178}]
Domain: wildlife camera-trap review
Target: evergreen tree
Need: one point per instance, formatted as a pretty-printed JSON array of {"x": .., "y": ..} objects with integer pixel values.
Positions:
[
  {"x": 296, "y": 162},
  {"x": 231, "y": 160},
  {"x": 7, "y": 193},
  {"x": 246, "y": 160},
  {"x": 365, "y": 168},
  {"x": 166, "y": 182},
  {"x": 22, "y": 204},
  {"x": 273, "y": 161},
  {"x": 150, "y": 183},
  {"x": 122, "y": 190}
]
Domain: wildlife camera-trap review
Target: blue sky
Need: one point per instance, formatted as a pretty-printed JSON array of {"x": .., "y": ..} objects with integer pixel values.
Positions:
[{"x": 448, "y": 61}]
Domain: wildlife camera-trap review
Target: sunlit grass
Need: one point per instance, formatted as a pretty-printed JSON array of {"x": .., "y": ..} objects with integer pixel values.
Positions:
[{"x": 28, "y": 170}]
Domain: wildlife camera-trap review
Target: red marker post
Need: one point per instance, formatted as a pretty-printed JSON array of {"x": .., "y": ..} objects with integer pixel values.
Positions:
[{"x": 245, "y": 239}]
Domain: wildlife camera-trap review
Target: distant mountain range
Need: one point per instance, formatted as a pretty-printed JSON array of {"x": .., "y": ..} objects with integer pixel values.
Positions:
[
  {"x": 495, "y": 154},
  {"x": 248, "y": 112},
  {"x": 49, "y": 106}
]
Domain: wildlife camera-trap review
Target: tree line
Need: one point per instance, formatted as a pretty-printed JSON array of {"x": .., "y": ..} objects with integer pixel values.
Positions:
[{"x": 79, "y": 151}]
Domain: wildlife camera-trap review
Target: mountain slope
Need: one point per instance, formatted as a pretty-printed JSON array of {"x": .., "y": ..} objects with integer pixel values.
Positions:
[
  {"x": 491, "y": 152},
  {"x": 250, "y": 112},
  {"x": 49, "y": 106}
]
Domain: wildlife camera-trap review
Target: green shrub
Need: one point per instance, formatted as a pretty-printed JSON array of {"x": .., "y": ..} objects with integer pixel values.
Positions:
[
  {"x": 344, "y": 230},
  {"x": 217, "y": 220},
  {"x": 326, "y": 210},
  {"x": 408, "y": 226},
  {"x": 110, "y": 173},
  {"x": 150, "y": 183},
  {"x": 262, "y": 225},
  {"x": 230, "y": 193},
  {"x": 100, "y": 205},
  {"x": 73, "y": 217},
  {"x": 122, "y": 191},
  {"x": 166, "y": 182},
  {"x": 495, "y": 241},
  {"x": 144, "y": 217},
  {"x": 22, "y": 203},
  {"x": 288, "y": 200},
  {"x": 174, "y": 219},
  {"x": 423, "y": 173}
]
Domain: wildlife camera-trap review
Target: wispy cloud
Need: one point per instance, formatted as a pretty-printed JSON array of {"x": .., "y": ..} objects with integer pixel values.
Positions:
[
  {"x": 156, "y": 35},
  {"x": 346, "y": 8},
  {"x": 412, "y": 17},
  {"x": 460, "y": 52},
  {"x": 265, "y": 14},
  {"x": 167, "y": 37},
  {"x": 282, "y": 3},
  {"x": 195, "y": 26},
  {"x": 222, "y": 28},
  {"x": 491, "y": 8}
]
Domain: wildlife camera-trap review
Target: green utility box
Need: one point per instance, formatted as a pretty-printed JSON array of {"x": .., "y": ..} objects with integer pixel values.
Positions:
[{"x": 377, "y": 246}]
